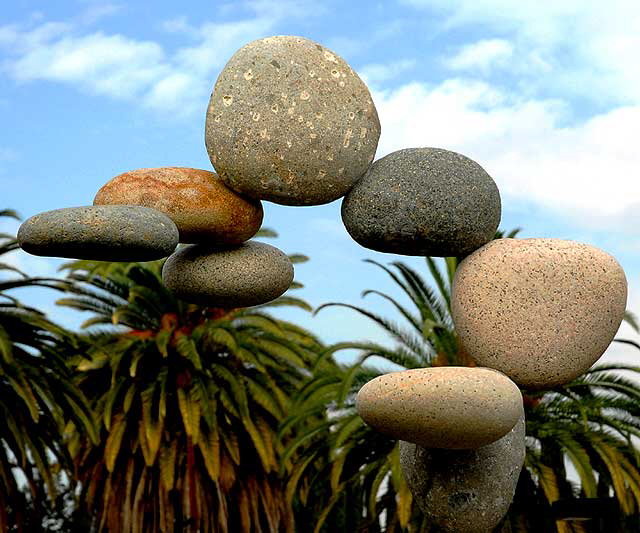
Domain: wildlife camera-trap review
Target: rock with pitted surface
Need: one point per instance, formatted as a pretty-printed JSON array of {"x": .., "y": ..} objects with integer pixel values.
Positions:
[
  {"x": 100, "y": 233},
  {"x": 289, "y": 121},
  {"x": 423, "y": 201},
  {"x": 252, "y": 273},
  {"x": 466, "y": 491},
  {"x": 442, "y": 407},
  {"x": 203, "y": 208},
  {"x": 540, "y": 310}
]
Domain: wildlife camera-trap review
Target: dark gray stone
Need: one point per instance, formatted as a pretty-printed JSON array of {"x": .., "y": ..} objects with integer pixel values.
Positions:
[
  {"x": 289, "y": 121},
  {"x": 423, "y": 201},
  {"x": 233, "y": 276},
  {"x": 466, "y": 491},
  {"x": 100, "y": 233}
]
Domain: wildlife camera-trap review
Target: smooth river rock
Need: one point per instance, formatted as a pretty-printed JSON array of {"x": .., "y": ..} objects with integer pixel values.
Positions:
[
  {"x": 442, "y": 407},
  {"x": 203, "y": 208},
  {"x": 241, "y": 276},
  {"x": 423, "y": 201},
  {"x": 540, "y": 310},
  {"x": 289, "y": 121},
  {"x": 465, "y": 491},
  {"x": 100, "y": 233}
]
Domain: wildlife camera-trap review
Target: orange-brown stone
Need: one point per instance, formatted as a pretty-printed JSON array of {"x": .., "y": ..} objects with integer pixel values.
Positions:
[{"x": 202, "y": 207}]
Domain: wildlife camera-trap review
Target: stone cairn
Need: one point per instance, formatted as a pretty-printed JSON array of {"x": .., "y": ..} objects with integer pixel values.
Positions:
[{"x": 290, "y": 122}]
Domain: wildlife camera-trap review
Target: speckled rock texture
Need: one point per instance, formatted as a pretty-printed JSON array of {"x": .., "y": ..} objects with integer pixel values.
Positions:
[
  {"x": 540, "y": 310},
  {"x": 249, "y": 274},
  {"x": 289, "y": 121},
  {"x": 100, "y": 233},
  {"x": 423, "y": 201},
  {"x": 203, "y": 208},
  {"x": 465, "y": 491},
  {"x": 442, "y": 407}
]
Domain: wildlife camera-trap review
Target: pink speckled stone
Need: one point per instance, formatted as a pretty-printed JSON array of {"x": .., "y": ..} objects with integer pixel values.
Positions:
[
  {"x": 443, "y": 407},
  {"x": 540, "y": 310}
]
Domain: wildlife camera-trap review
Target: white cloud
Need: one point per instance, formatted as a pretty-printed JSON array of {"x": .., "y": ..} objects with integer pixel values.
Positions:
[
  {"x": 588, "y": 170},
  {"x": 590, "y": 46},
  {"x": 375, "y": 73},
  {"x": 482, "y": 55},
  {"x": 120, "y": 67}
]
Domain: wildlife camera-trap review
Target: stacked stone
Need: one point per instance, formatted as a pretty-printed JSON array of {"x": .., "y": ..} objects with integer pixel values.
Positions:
[{"x": 290, "y": 122}]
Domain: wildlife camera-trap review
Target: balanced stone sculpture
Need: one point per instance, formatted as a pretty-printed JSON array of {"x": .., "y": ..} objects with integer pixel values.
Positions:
[
  {"x": 202, "y": 207},
  {"x": 252, "y": 273},
  {"x": 423, "y": 201},
  {"x": 465, "y": 491},
  {"x": 540, "y": 310},
  {"x": 289, "y": 121},
  {"x": 101, "y": 233},
  {"x": 442, "y": 407}
]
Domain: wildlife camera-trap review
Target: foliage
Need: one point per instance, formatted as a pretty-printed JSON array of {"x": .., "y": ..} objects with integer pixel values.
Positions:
[
  {"x": 37, "y": 401},
  {"x": 188, "y": 400}
]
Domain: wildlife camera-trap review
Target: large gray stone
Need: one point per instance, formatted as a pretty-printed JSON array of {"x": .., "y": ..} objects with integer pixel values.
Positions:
[
  {"x": 423, "y": 201},
  {"x": 233, "y": 276},
  {"x": 442, "y": 407},
  {"x": 540, "y": 310},
  {"x": 289, "y": 121},
  {"x": 465, "y": 491},
  {"x": 100, "y": 233}
]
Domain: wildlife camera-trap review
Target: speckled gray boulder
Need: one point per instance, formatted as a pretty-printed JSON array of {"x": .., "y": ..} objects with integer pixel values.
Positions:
[
  {"x": 240, "y": 276},
  {"x": 100, "y": 233},
  {"x": 442, "y": 407},
  {"x": 540, "y": 310},
  {"x": 423, "y": 201},
  {"x": 465, "y": 491},
  {"x": 289, "y": 121}
]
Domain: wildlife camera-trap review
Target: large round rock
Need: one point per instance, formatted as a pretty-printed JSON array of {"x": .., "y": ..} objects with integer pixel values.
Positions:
[
  {"x": 540, "y": 310},
  {"x": 466, "y": 491},
  {"x": 442, "y": 407},
  {"x": 101, "y": 233},
  {"x": 423, "y": 201},
  {"x": 202, "y": 207},
  {"x": 289, "y": 121},
  {"x": 249, "y": 274}
]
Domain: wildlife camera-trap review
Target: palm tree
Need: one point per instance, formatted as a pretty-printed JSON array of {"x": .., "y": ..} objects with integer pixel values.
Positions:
[
  {"x": 188, "y": 400},
  {"x": 38, "y": 401},
  {"x": 590, "y": 422}
]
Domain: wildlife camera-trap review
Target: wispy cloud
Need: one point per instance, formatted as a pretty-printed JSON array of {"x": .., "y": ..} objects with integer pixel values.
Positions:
[
  {"x": 482, "y": 55},
  {"x": 376, "y": 73}
]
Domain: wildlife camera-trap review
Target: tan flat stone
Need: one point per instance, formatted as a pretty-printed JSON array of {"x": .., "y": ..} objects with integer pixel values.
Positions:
[
  {"x": 201, "y": 206},
  {"x": 442, "y": 407},
  {"x": 540, "y": 310}
]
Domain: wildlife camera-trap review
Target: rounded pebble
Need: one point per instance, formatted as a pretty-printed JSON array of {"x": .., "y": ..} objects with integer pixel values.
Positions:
[
  {"x": 442, "y": 407},
  {"x": 423, "y": 201},
  {"x": 100, "y": 233},
  {"x": 465, "y": 491},
  {"x": 540, "y": 310},
  {"x": 202, "y": 207},
  {"x": 252, "y": 273},
  {"x": 289, "y": 121}
]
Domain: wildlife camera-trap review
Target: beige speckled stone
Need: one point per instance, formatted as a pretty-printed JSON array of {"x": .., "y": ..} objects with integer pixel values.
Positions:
[
  {"x": 443, "y": 407},
  {"x": 252, "y": 273},
  {"x": 289, "y": 121},
  {"x": 540, "y": 310},
  {"x": 201, "y": 206},
  {"x": 465, "y": 491}
]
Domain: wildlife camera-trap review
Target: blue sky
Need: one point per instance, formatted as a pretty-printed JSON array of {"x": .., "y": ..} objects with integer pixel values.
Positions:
[{"x": 544, "y": 95}]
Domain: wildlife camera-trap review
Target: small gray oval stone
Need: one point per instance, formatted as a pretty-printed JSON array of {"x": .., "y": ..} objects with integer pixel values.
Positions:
[
  {"x": 466, "y": 491},
  {"x": 100, "y": 233},
  {"x": 239, "y": 276},
  {"x": 289, "y": 121},
  {"x": 423, "y": 201}
]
